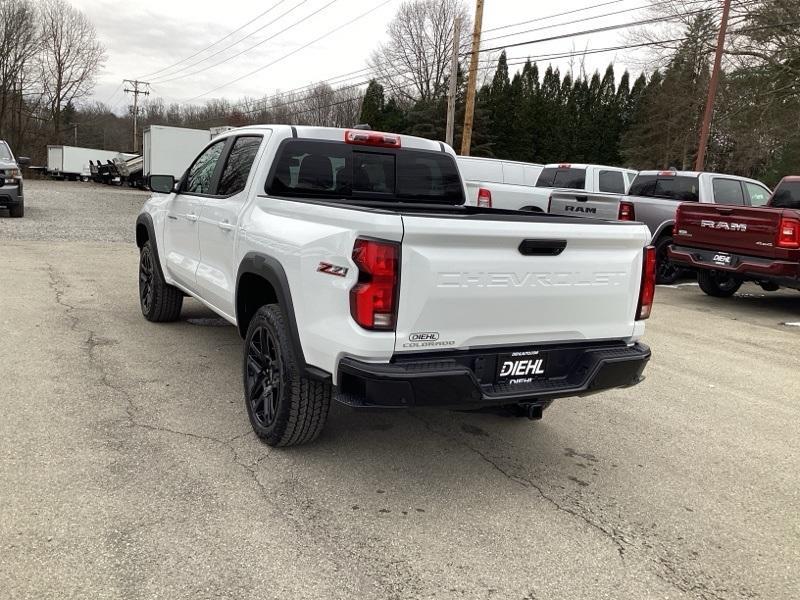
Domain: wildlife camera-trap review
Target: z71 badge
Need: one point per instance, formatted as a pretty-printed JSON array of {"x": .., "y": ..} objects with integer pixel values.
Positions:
[{"x": 330, "y": 269}]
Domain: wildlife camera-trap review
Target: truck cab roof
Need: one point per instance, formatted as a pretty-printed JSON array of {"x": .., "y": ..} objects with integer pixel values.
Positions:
[
  {"x": 672, "y": 173},
  {"x": 336, "y": 134}
]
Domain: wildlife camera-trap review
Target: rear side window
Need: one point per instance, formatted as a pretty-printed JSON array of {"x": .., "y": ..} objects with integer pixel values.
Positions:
[
  {"x": 728, "y": 191},
  {"x": 335, "y": 170},
  {"x": 787, "y": 195},
  {"x": 5, "y": 153},
  {"x": 681, "y": 188},
  {"x": 757, "y": 194},
  {"x": 612, "y": 182},
  {"x": 574, "y": 179},
  {"x": 237, "y": 168}
]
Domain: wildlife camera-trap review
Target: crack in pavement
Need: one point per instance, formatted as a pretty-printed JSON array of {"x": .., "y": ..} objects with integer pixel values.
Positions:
[
  {"x": 527, "y": 483},
  {"x": 668, "y": 573},
  {"x": 90, "y": 345}
]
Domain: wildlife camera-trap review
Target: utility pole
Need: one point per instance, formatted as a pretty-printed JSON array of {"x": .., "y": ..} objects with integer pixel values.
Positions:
[
  {"x": 451, "y": 99},
  {"x": 137, "y": 88},
  {"x": 713, "y": 84},
  {"x": 76, "y": 133},
  {"x": 466, "y": 136}
]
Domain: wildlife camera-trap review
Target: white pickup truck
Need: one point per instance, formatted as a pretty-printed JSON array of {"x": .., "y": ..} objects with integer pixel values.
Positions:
[
  {"x": 510, "y": 185},
  {"x": 353, "y": 269},
  {"x": 506, "y": 184}
]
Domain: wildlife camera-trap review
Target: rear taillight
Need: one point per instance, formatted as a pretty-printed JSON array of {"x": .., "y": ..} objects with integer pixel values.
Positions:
[
  {"x": 789, "y": 233},
  {"x": 647, "y": 290},
  {"x": 626, "y": 211},
  {"x": 373, "y": 300},
  {"x": 484, "y": 198}
]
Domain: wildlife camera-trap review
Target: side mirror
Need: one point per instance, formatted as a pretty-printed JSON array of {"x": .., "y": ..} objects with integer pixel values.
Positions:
[
  {"x": 162, "y": 184},
  {"x": 23, "y": 161}
]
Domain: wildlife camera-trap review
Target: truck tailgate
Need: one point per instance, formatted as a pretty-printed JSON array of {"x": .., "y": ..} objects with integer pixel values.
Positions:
[
  {"x": 735, "y": 229},
  {"x": 583, "y": 204},
  {"x": 483, "y": 281}
]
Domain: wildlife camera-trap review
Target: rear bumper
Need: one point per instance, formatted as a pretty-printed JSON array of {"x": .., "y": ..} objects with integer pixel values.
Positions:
[
  {"x": 746, "y": 268},
  {"x": 467, "y": 379}
]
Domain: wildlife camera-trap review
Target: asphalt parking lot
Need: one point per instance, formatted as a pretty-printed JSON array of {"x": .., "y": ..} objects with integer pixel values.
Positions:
[{"x": 128, "y": 468}]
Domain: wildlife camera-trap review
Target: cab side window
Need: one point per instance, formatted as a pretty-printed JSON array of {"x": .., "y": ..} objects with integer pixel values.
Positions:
[
  {"x": 612, "y": 182},
  {"x": 200, "y": 177},
  {"x": 237, "y": 168},
  {"x": 728, "y": 191}
]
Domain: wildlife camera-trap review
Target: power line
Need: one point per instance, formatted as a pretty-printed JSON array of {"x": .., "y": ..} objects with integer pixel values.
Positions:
[
  {"x": 553, "y": 16},
  {"x": 222, "y": 39},
  {"x": 174, "y": 76},
  {"x": 590, "y": 31},
  {"x": 295, "y": 51},
  {"x": 593, "y": 17},
  {"x": 361, "y": 72},
  {"x": 534, "y": 58}
]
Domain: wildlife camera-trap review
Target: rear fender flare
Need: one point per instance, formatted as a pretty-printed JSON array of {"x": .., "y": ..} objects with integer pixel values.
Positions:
[
  {"x": 662, "y": 230},
  {"x": 146, "y": 220},
  {"x": 272, "y": 271}
]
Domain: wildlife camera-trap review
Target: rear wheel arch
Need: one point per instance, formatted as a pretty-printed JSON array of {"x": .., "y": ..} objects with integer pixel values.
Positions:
[
  {"x": 664, "y": 230},
  {"x": 261, "y": 280}
]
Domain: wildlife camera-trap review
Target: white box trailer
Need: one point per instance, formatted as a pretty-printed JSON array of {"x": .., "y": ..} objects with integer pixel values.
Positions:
[
  {"x": 72, "y": 162},
  {"x": 170, "y": 150}
]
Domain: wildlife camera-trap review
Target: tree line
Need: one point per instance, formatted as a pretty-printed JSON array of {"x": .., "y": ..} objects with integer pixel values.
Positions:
[{"x": 524, "y": 110}]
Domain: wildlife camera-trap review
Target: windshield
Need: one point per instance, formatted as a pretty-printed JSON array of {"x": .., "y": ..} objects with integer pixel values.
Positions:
[
  {"x": 5, "y": 153},
  {"x": 334, "y": 170},
  {"x": 787, "y": 195}
]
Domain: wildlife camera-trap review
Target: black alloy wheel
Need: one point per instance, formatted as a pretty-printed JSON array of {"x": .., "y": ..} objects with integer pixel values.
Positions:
[
  {"x": 666, "y": 271},
  {"x": 264, "y": 378},
  {"x": 146, "y": 273}
]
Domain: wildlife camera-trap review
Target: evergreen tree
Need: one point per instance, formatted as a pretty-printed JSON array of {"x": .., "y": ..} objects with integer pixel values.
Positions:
[{"x": 373, "y": 106}]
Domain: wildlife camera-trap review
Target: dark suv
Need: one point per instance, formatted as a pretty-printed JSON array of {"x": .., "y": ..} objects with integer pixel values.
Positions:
[{"x": 11, "y": 181}]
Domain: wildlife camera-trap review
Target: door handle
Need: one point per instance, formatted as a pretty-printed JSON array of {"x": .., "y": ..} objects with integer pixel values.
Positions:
[
  {"x": 226, "y": 225},
  {"x": 173, "y": 217},
  {"x": 191, "y": 218}
]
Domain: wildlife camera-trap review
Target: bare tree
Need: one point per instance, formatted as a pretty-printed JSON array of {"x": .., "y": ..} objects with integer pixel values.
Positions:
[
  {"x": 70, "y": 59},
  {"x": 415, "y": 61},
  {"x": 19, "y": 42}
]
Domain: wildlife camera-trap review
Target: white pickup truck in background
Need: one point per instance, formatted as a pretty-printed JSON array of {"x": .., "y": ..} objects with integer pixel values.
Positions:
[
  {"x": 510, "y": 185},
  {"x": 505, "y": 184},
  {"x": 353, "y": 269}
]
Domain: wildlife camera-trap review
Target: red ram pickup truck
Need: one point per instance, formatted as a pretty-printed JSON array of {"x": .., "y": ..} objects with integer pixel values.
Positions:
[{"x": 728, "y": 245}]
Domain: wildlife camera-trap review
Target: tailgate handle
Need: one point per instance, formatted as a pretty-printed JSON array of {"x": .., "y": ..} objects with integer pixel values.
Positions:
[
  {"x": 582, "y": 198},
  {"x": 724, "y": 211},
  {"x": 542, "y": 247}
]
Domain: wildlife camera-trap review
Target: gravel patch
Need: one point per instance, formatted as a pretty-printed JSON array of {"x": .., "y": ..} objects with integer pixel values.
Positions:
[{"x": 75, "y": 211}]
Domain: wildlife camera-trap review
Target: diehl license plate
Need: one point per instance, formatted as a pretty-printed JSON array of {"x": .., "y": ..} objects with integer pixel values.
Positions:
[
  {"x": 521, "y": 367},
  {"x": 722, "y": 259}
]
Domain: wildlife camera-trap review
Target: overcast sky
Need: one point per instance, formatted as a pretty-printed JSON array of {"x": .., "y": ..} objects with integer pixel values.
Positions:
[{"x": 145, "y": 37}]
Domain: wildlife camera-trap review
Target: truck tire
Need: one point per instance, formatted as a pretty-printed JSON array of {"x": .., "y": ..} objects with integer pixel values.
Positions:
[
  {"x": 160, "y": 302},
  {"x": 285, "y": 408},
  {"x": 666, "y": 272},
  {"x": 18, "y": 211},
  {"x": 718, "y": 284}
]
